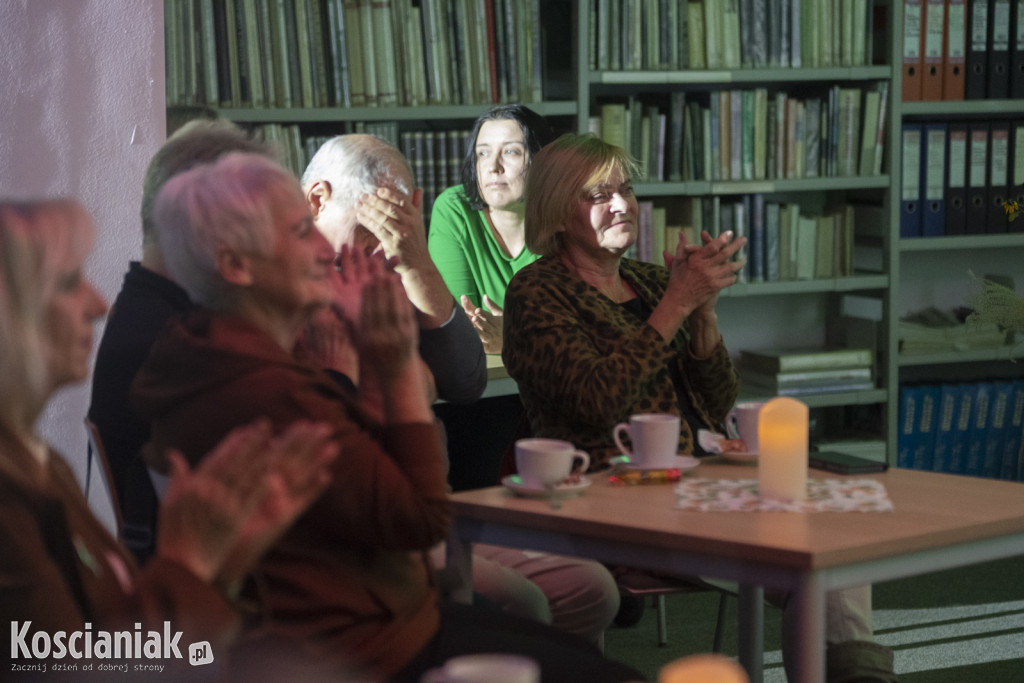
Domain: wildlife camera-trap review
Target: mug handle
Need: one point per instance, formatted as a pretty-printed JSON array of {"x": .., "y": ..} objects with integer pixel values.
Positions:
[
  {"x": 732, "y": 428},
  {"x": 621, "y": 427},
  {"x": 584, "y": 457}
]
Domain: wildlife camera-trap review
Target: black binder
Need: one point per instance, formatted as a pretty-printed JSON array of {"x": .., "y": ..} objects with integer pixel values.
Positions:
[
  {"x": 999, "y": 49},
  {"x": 1016, "y": 53},
  {"x": 977, "y": 49},
  {"x": 956, "y": 178},
  {"x": 977, "y": 177},
  {"x": 1016, "y": 172}
]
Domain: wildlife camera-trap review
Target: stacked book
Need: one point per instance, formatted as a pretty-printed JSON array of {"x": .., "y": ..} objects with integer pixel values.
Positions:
[{"x": 791, "y": 372}]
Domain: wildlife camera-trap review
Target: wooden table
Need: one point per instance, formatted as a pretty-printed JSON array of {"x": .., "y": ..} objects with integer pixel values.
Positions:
[{"x": 940, "y": 521}]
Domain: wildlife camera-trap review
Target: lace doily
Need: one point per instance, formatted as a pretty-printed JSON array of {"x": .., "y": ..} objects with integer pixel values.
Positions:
[{"x": 823, "y": 495}]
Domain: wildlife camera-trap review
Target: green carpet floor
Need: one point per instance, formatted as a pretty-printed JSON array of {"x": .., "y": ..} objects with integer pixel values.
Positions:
[{"x": 963, "y": 626}]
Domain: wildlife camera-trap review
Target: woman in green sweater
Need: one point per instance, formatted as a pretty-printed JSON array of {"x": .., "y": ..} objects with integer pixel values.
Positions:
[{"x": 477, "y": 235}]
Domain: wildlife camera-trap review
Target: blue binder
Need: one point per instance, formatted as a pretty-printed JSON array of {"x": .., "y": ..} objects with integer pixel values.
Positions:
[
  {"x": 912, "y": 179},
  {"x": 910, "y": 397},
  {"x": 933, "y": 220}
]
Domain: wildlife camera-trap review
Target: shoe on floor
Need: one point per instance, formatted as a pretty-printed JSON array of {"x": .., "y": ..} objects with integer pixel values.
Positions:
[{"x": 859, "y": 661}]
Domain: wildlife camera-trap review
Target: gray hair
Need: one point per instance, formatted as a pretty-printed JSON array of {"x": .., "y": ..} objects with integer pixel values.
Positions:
[
  {"x": 227, "y": 204},
  {"x": 357, "y": 163},
  {"x": 200, "y": 141}
]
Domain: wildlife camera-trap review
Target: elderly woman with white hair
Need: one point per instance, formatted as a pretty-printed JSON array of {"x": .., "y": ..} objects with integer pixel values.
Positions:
[
  {"x": 61, "y": 572},
  {"x": 351, "y": 583}
]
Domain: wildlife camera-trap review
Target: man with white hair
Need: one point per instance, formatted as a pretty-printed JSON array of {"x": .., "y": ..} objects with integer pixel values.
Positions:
[{"x": 362, "y": 195}]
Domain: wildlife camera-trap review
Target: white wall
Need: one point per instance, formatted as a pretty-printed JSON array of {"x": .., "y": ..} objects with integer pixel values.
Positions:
[{"x": 81, "y": 113}]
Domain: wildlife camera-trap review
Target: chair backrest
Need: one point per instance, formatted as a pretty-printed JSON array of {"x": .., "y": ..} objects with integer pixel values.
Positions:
[{"x": 97, "y": 451}]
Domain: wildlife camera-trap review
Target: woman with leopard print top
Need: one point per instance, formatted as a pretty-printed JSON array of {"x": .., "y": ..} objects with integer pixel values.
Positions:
[{"x": 592, "y": 337}]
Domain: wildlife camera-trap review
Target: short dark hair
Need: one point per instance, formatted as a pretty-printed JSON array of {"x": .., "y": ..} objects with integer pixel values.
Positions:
[{"x": 536, "y": 132}]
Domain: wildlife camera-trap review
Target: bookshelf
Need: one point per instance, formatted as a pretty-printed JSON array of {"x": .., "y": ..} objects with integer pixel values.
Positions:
[
  {"x": 562, "y": 56},
  {"x": 934, "y": 269},
  {"x": 411, "y": 71},
  {"x": 800, "y": 310}
]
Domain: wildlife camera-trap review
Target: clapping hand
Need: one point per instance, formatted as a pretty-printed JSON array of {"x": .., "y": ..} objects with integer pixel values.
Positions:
[
  {"x": 218, "y": 519},
  {"x": 488, "y": 324},
  {"x": 699, "y": 272},
  {"x": 388, "y": 332}
]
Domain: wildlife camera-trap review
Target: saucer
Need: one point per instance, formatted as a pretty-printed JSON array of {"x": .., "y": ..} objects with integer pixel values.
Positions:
[
  {"x": 740, "y": 456},
  {"x": 679, "y": 462},
  {"x": 564, "y": 490}
]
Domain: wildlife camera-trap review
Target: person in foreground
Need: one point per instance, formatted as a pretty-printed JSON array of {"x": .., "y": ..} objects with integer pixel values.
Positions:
[
  {"x": 592, "y": 337},
  {"x": 477, "y": 238},
  {"x": 350, "y": 584},
  {"x": 60, "y": 569},
  {"x": 360, "y": 190}
]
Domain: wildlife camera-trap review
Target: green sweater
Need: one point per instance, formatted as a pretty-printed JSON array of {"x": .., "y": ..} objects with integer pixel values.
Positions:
[{"x": 465, "y": 250}]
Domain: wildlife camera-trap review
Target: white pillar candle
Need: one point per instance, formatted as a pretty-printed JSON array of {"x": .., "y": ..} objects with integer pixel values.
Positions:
[{"x": 782, "y": 445}]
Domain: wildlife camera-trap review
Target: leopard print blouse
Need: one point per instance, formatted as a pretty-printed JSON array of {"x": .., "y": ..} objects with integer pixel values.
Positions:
[{"x": 584, "y": 364}]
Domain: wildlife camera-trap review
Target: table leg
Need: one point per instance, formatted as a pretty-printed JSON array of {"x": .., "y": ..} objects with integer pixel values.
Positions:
[
  {"x": 459, "y": 560},
  {"x": 751, "y": 630},
  {"x": 808, "y": 604}
]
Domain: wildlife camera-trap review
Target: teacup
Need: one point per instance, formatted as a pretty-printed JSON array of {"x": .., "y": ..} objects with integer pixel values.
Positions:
[
  {"x": 545, "y": 462},
  {"x": 485, "y": 668},
  {"x": 741, "y": 423},
  {"x": 655, "y": 439}
]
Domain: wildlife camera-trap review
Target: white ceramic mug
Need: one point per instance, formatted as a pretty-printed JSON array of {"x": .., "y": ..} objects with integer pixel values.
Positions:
[
  {"x": 655, "y": 439},
  {"x": 546, "y": 462},
  {"x": 741, "y": 423},
  {"x": 485, "y": 668}
]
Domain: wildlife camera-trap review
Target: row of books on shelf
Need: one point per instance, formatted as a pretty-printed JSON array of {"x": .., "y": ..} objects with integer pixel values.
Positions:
[
  {"x": 962, "y": 49},
  {"x": 750, "y": 134},
  {"x": 962, "y": 428},
  {"x": 435, "y": 156},
  {"x": 958, "y": 175},
  {"x": 629, "y": 35},
  {"x": 352, "y": 53},
  {"x": 296, "y": 149},
  {"x": 932, "y": 330},
  {"x": 795, "y": 372},
  {"x": 785, "y": 242}
]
